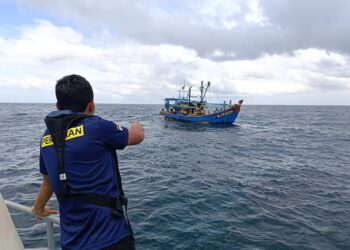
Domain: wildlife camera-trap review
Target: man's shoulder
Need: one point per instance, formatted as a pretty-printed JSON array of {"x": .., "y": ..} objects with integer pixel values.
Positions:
[
  {"x": 103, "y": 126},
  {"x": 108, "y": 124},
  {"x": 46, "y": 133},
  {"x": 93, "y": 121}
]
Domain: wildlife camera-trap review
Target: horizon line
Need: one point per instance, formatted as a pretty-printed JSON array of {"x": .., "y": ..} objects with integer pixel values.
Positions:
[{"x": 105, "y": 103}]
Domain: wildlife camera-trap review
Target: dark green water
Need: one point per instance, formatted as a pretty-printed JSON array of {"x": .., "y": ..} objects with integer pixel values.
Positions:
[{"x": 279, "y": 179}]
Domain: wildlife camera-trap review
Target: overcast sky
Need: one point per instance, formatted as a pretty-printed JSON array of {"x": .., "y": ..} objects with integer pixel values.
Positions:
[{"x": 265, "y": 52}]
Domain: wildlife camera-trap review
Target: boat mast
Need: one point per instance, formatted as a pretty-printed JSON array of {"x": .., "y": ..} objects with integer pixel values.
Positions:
[
  {"x": 205, "y": 91},
  {"x": 189, "y": 93},
  {"x": 201, "y": 88}
]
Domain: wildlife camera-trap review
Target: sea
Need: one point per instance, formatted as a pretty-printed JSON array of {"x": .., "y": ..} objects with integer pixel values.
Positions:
[{"x": 279, "y": 178}]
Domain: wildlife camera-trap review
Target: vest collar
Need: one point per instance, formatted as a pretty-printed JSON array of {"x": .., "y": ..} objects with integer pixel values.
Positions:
[{"x": 62, "y": 112}]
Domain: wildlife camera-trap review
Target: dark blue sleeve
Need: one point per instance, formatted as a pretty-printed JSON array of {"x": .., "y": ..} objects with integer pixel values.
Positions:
[
  {"x": 43, "y": 169},
  {"x": 113, "y": 135}
]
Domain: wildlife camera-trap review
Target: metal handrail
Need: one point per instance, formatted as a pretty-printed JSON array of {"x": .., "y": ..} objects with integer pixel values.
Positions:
[{"x": 50, "y": 220}]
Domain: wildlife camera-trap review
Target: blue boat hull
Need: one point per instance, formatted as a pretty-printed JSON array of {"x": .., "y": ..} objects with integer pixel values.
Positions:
[{"x": 224, "y": 117}]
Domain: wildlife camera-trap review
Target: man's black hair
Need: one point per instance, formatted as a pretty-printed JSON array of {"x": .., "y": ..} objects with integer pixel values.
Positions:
[{"x": 73, "y": 92}]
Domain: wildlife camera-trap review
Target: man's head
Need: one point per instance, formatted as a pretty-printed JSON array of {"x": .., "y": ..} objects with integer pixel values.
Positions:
[{"x": 74, "y": 92}]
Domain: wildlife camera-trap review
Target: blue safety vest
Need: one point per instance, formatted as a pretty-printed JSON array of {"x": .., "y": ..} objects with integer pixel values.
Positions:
[{"x": 78, "y": 153}]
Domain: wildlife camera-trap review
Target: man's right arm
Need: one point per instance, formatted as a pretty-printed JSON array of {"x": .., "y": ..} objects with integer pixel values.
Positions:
[
  {"x": 135, "y": 134},
  {"x": 45, "y": 192}
]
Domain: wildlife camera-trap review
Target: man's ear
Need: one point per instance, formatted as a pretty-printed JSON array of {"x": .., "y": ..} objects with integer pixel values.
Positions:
[{"x": 90, "y": 108}]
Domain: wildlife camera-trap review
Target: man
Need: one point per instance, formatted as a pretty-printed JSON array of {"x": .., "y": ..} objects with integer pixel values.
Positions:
[{"x": 79, "y": 164}]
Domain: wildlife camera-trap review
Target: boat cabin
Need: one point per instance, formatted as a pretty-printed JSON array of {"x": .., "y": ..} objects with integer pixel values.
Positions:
[{"x": 184, "y": 106}]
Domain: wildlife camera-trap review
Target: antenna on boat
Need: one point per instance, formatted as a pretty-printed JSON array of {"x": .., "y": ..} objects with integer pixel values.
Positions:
[{"x": 182, "y": 90}]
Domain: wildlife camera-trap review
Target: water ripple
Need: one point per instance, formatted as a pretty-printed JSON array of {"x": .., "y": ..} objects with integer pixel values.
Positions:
[{"x": 278, "y": 179}]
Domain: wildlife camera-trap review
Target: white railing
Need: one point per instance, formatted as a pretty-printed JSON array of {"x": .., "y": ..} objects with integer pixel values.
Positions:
[{"x": 50, "y": 220}]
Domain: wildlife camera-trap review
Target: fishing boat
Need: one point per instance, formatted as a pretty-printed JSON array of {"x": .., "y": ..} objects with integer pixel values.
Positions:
[{"x": 185, "y": 109}]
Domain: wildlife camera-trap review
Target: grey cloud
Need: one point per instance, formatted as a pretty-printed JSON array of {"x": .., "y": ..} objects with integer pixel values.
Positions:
[
  {"x": 335, "y": 69},
  {"x": 290, "y": 25},
  {"x": 258, "y": 75},
  {"x": 328, "y": 64},
  {"x": 327, "y": 84}
]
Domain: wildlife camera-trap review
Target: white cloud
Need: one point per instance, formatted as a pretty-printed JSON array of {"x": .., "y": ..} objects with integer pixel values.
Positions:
[
  {"x": 220, "y": 14},
  {"x": 256, "y": 13},
  {"x": 130, "y": 72}
]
